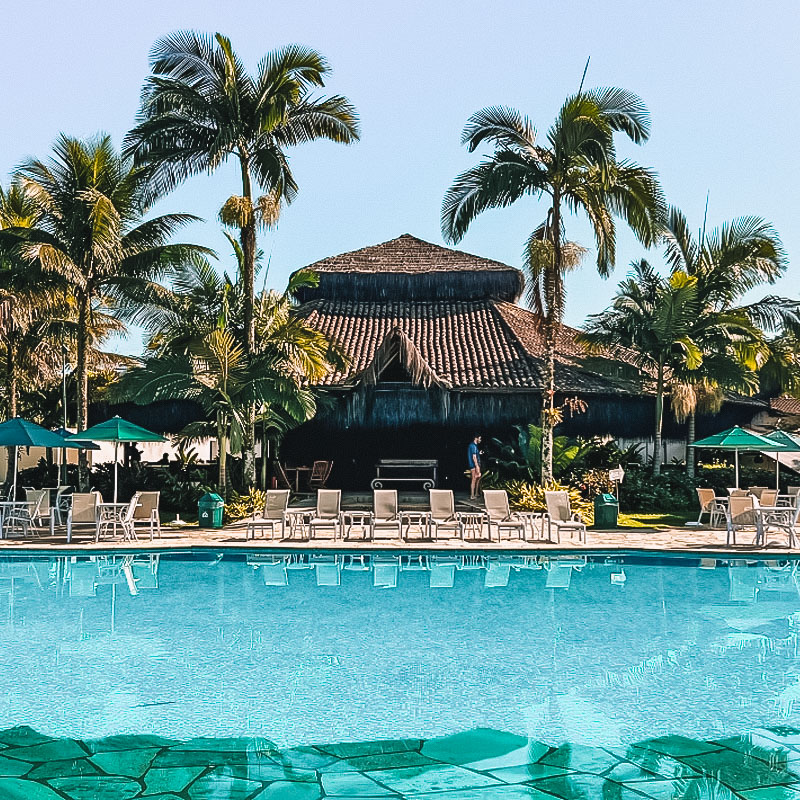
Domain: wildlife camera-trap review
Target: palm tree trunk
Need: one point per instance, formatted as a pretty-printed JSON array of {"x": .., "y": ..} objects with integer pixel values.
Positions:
[
  {"x": 248, "y": 238},
  {"x": 222, "y": 445},
  {"x": 548, "y": 402},
  {"x": 13, "y": 392},
  {"x": 659, "y": 420},
  {"x": 691, "y": 436},
  {"x": 82, "y": 374}
]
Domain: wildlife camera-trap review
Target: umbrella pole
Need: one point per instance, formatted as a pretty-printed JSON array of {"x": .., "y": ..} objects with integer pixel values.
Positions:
[
  {"x": 16, "y": 459},
  {"x": 778, "y": 471},
  {"x": 736, "y": 469},
  {"x": 116, "y": 463}
]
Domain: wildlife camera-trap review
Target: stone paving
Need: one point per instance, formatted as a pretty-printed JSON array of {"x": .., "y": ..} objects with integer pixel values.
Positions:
[
  {"x": 682, "y": 540},
  {"x": 475, "y": 765}
]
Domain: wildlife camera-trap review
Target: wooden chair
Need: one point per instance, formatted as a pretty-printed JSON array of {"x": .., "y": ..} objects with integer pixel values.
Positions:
[
  {"x": 281, "y": 478},
  {"x": 320, "y": 472}
]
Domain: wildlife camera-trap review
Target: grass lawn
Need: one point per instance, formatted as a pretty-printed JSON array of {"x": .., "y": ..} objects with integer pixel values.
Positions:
[{"x": 652, "y": 520}]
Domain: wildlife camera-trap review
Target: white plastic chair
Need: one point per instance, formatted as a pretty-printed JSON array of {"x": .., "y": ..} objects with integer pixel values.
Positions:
[{"x": 561, "y": 515}]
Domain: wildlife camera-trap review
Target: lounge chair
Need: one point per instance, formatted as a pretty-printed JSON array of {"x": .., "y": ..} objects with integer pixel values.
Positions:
[
  {"x": 83, "y": 511},
  {"x": 740, "y": 515},
  {"x": 273, "y": 515},
  {"x": 500, "y": 514},
  {"x": 711, "y": 505},
  {"x": 560, "y": 515},
  {"x": 443, "y": 516},
  {"x": 274, "y": 572},
  {"x": 328, "y": 513},
  {"x": 328, "y": 570},
  {"x": 320, "y": 472},
  {"x": 385, "y": 514},
  {"x": 146, "y": 513}
]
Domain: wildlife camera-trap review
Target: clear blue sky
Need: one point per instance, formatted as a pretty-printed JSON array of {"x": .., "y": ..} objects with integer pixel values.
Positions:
[{"x": 720, "y": 79}]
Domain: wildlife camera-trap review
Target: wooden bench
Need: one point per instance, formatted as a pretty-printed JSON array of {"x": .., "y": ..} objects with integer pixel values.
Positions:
[{"x": 406, "y": 470}]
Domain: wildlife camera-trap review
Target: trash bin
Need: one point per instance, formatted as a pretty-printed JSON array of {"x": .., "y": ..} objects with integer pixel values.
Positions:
[
  {"x": 606, "y": 511},
  {"x": 209, "y": 511}
]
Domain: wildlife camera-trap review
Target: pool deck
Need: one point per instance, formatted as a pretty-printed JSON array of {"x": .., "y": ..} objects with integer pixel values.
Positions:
[{"x": 699, "y": 540}]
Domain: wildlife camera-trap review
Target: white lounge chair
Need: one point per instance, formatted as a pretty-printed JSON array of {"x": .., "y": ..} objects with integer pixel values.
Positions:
[
  {"x": 385, "y": 513},
  {"x": 443, "y": 517},
  {"x": 499, "y": 512},
  {"x": 273, "y": 515},
  {"x": 328, "y": 512},
  {"x": 562, "y": 517},
  {"x": 384, "y": 571},
  {"x": 497, "y": 574}
]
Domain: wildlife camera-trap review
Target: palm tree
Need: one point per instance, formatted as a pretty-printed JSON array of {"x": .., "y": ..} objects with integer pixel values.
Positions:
[
  {"x": 196, "y": 338},
  {"x": 734, "y": 336},
  {"x": 91, "y": 234},
  {"x": 201, "y": 106},
  {"x": 651, "y": 316},
  {"x": 576, "y": 170}
]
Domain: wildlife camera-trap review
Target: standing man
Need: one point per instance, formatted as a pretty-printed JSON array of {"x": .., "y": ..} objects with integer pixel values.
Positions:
[{"x": 474, "y": 459}]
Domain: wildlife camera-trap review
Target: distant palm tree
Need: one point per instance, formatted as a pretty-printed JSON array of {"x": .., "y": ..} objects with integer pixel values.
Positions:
[
  {"x": 651, "y": 316},
  {"x": 576, "y": 169},
  {"x": 736, "y": 337},
  {"x": 91, "y": 233},
  {"x": 201, "y": 107}
]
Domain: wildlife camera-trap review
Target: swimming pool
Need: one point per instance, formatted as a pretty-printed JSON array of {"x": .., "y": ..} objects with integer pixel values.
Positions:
[{"x": 415, "y": 675}]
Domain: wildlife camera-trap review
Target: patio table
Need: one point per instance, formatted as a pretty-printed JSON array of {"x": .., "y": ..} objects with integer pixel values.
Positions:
[
  {"x": 298, "y": 471},
  {"x": 781, "y": 517},
  {"x": 110, "y": 515},
  {"x": 472, "y": 523},
  {"x": 299, "y": 517},
  {"x": 418, "y": 519}
]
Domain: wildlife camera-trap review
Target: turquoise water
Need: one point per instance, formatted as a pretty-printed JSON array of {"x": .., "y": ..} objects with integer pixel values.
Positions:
[{"x": 595, "y": 654}]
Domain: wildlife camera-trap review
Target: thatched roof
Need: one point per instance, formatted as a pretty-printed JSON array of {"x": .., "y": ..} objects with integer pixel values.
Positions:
[{"x": 407, "y": 268}]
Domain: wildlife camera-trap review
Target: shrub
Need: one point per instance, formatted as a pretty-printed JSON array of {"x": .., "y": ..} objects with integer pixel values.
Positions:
[
  {"x": 526, "y": 496},
  {"x": 241, "y": 506}
]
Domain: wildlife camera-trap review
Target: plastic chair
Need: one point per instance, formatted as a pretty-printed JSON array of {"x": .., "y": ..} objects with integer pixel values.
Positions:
[
  {"x": 561, "y": 515},
  {"x": 328, "y": 512},
  {"x": 273, "y": 515},
  {"x": 385, "y": 514},
  {"x": 146, "y": 512},
  {"x": 500, "y": 515}
]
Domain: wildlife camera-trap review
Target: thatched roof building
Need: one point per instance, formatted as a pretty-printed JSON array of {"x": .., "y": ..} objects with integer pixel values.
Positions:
[{"x": 436, "y": 347}]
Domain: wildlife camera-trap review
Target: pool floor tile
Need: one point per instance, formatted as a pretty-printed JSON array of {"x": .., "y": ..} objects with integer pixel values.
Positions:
[
  {"x": 481, "y": 744},
  {"x": 90, "y": 788},
  {"x": 131, "y": 763},
  {"x": 772, "y": 793},
  {"x": 283, "y": 790},
  {"x": 438, "y": 778},
  {"x": 346, "y": 784},
  {"x": 526, "y": 772},
  {"x": 170, "y": 780},
  {"x": 739, "y": 771},
  {"x": 581, "y": 758},
  {"x": 19, "y": 789},
  {"x": 221, "y": 785}
]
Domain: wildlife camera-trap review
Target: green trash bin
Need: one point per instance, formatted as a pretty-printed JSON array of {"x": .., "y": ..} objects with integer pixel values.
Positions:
[
  {"x": 209, "y": 511},
  {"x": 606, "y": 511}
]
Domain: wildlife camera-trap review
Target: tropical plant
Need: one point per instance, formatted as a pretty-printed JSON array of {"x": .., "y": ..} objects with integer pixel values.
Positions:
[
  {"x": 576, "y": 170},
  {"x": 529, "y": 496},
  {"x": 91, "y": 233},
  {"x": 200, "y": 107},
  {"x": 197, "y": 345},
  {"x": 736, "y": 336}
]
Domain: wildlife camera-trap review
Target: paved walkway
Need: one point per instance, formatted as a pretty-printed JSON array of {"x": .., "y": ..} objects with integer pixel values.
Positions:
[{"x": 680, "y": 540}]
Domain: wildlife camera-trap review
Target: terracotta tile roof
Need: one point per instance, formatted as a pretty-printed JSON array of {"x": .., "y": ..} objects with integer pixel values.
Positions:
[
  {"x": 407, "y": 254},
  {"x": 465, "y": 344},
  {"x": 785, "y": 405}
]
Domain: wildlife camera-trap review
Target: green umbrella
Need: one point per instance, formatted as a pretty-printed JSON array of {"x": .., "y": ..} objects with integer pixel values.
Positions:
[
  {"x": 116, "y": 430},
  {"x": 18, "y": 432},
  {"x": 792, "y": 446},
  {"x": 737, "y": 439}
]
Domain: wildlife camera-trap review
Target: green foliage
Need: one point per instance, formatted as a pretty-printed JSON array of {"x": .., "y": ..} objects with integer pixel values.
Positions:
[
  {"x": 529, "y": 496},
  {"x": 241, "y": 506}
]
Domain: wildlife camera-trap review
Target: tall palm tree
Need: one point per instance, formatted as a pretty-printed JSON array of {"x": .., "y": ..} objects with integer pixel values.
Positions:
[
  {"x": 577, "y": 170},
  {"x": 736, "y": 336},
  {"x": 91, "y": 233},
  {"x": 651, "y": 316},
  {"x": 201, "y": 107}
]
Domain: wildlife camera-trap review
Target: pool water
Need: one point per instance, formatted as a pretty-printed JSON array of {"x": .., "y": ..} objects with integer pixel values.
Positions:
[{"x": 460, "y": 677}]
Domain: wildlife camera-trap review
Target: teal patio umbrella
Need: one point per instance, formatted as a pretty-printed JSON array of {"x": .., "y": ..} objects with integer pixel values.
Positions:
[
  {"x": 740, "y": 440},
  {"x": 792, "y": 444},
  {"x": 116, "y": 430},
  {"x": 18, "y": 432}
]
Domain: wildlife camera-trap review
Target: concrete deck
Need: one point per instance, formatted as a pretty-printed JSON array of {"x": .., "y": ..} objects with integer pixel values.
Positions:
[{"x": 699, "y": 540}]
